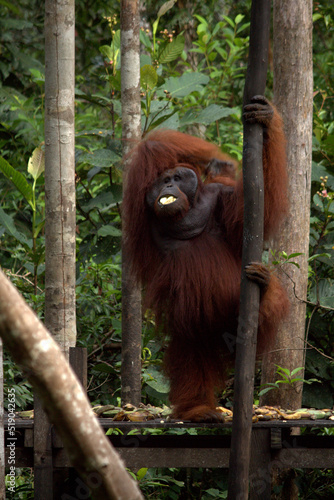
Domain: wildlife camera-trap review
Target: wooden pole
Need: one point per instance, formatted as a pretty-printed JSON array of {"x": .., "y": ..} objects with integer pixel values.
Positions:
[{"x": 252, "y": 251}]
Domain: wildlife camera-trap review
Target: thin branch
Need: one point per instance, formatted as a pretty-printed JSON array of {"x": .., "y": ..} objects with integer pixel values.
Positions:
[{"x": 313, "y": 304}]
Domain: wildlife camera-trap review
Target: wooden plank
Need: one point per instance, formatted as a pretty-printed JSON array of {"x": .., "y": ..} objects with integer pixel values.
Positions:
[
  {"x": 24, "y": 457},
  {"x": 260, "y": 465},
  {"x": 78, "y": 361},
  {"x": 305, "y": 451},
  {"x": 162, "y": 424},
  {"x": 43, "y": 467},
  {"x": 135, "y": 458},
  {"x": 304, "y": 458},
  {"x": 28, "y": 438},
  {"x": 64, "y": 476},
  {"x": 307, "y": 458}
]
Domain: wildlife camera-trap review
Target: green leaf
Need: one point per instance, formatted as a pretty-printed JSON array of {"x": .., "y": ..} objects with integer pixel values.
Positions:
[
  {"x": 102, "y": 200},
  {"x": 296, "y": 370},
  {"x": 172, "y": 122},
  {"x": 239, "y": 18},
  {"x": 317, "y": 255},
  {"x": 109, "y": 231},
  {"x": 213, "y": 113},
  {"x": 229, "y": 20},
  {"x": 145, "y": 40},
  {"x": 107, "y": 52},
  {"x": 315, "y": 17},
  {"x": 11, "y": 7},
  {"x": 213, "y": 492},
  {"x": 207, "y": 115},
  {"x": 189, "y": 117},
  {"x": 18, "y": 180},
  {"x": 145, "y": 59},
  {"x": 296, "y": 254},
  {"x": 39, "y": 227},
  {"x": 162, "y": 119},
  {"x": 328, "y": 144},
  {"x": 318, "y": 171},
  {"x": 171, "y": 50},
  {"x": 201, "y": 19},
  {"x": 36, "y": 163},
  {"x": 325, "y": 292},
  {"x": 317, "y": 200},
  {"x": 297, "y": 379},
  {"x": 116, "y": 41},
  {"x": 103, "y": 158},
  {"x": 112, "y": 51},
  {"x": 141, "y": 473},
  {"x": 155, "y": 26},
  {"x": 281, "y": 370},
  {"x": 264, "y": 391},
  {"x": 165, "y": 7},
  {"x": 158, "y": 381},
  {"x": 103, "y": 368},
  {"x": 311, "y": 380},
  {"x": 148, "y": 77},
  {"x": 185, "y": 84},
  {"x": 286, "y": 380},
  {"x": 7, "y": 222}
]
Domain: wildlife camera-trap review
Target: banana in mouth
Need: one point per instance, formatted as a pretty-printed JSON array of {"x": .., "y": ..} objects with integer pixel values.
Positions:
[{"x": 167, "y": 200}]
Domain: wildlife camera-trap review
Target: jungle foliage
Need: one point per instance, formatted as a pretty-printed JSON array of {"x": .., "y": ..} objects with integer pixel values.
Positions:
[{"x": 193, "y": 63}]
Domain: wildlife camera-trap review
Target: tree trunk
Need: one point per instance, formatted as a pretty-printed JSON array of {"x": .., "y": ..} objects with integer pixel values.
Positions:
[
  {"x": 60, "y": 214},
  {"x": 63, "y": 399},
  {"x": 131, "y": 134},
  {"x": 293, "y": 90}
]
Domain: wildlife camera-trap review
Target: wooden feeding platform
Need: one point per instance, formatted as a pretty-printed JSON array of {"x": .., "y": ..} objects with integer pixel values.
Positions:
[{"x": 273, "y": 446}]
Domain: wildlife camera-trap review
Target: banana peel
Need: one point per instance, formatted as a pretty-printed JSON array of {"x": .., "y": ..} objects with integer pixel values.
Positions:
[
  {"x": 305, "y": 413},
  {"x": 144, "y": 413}
]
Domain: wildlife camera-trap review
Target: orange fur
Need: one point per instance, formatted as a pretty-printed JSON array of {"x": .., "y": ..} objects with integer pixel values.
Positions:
[{"x": 194, "y": 290}]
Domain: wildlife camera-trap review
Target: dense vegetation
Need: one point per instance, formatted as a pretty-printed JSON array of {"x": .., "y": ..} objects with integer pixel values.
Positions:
[{"x": 193, "y": 67}]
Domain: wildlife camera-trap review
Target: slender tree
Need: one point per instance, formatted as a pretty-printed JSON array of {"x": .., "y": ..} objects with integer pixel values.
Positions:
[
  {"x": 131, "y": 133},
  {"x": 293, "y": 92},
  {"x": 60, "y": 214}
]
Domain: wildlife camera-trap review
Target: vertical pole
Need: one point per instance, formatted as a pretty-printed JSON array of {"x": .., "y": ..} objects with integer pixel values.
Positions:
[
  {"x": 131, "y": 134},
  {"x": 252, "y": 251},
  {"x": 293, "y": 92},
  {"x": 60, "y": 212}
]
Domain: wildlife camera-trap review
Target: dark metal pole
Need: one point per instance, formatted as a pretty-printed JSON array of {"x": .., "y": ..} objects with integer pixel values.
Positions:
[{"x": 252, "y": 251}]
